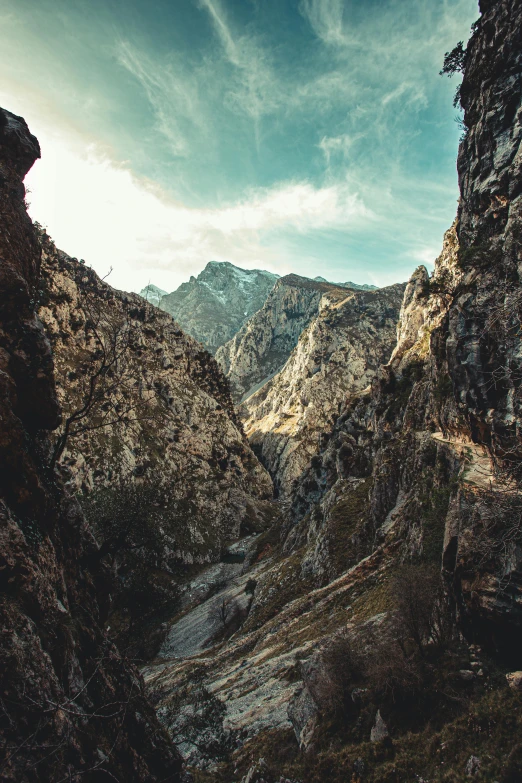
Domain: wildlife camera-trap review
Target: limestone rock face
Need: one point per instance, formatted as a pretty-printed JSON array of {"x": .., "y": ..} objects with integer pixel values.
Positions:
[
  {"x": 379, "y": 731},
  {"x": 167, "y": 417},
  {"x": 425, "y": 303},
  {"x": 302, "y": 712},
  {"x": 336, "y": 356},
  {"x": 489, "y": 220},
  {"x": 514, "y": 680},
  {"x": 213, "y": 306},
  {"x": 262, "y": 346},
  {"x": 348, "y": 284},
  {"x": 483, "y": 335},
  {"x": 73, "y": 709},
  {"x": 448, "y": 402}
]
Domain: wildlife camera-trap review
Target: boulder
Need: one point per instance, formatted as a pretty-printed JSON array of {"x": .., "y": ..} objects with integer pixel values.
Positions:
[
  {"x": 302, "y": 714},
  {"x": 473, "y": 766},
  {"x": 514, "y": 680},
  {"x": 380, "y": 730}
]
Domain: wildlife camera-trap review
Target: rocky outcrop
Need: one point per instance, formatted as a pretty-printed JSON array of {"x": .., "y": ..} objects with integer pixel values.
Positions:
[
  {"x": 480, "y": 332},
  {"x": 336, "y": 357},
  {"x": 262, "y": 346},
  {"x": 355, "y": 286},
  {"x": 213, "y": 306},
  {"x": 162, "y": 419},
  {"x": 72, "y": 707},
  {"x": 426, "y": 303},
  {"x": 482, "y": 338}
]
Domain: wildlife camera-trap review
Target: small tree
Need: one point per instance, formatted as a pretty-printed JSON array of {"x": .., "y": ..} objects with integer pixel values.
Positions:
[
  {"x": 126, "y": 518},
  {"x": 341, "y": 667},
  {"x": 228, "y": 614},
  {"x": 420, "y": 612},
  {"x": 127, "y": 521},
  {"x": 454, "y": 61}
]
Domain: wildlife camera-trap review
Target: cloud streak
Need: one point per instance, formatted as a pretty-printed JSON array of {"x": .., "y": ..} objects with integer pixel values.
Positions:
[
  {"x": 306, "y": 136},
  {"x": 326, "y": 19},
  {"x": 256, "y": 90},
  {"x": 171, "y": 92},
  {"x": 129, "y": 223}
]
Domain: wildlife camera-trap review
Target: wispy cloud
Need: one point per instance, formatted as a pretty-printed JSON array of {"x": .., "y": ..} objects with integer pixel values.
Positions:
[
  {"x": 222, "y": 29},
  {"x": 337, "y": 148},
  {"x": 256, "y": 90},
  {"x": 410, "y": 93},
  {"x": 172, "y": 93},
  {"x": 141, "y": 231},
  {"x": 326, "y": 19},
  {"x": 279, "y": 132}
]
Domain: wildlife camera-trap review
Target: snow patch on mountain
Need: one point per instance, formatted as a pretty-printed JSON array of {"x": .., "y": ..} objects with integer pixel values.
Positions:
[{"x": 213, "y": 306}]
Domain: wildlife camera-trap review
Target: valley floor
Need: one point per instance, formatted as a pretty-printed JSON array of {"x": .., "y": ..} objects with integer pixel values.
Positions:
[{"x": 240, "y": 708}]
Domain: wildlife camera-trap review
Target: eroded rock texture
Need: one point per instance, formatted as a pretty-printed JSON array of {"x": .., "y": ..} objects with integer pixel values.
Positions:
[
  {"x": 418, "y": 472},
  {"x": 168, "y": 421},
  {"x": 213, "y": 306},
  {"x": 448, "y": 404},
  {"x": 71, "y": 707},
  {"x": 336, "y": 356},
  {"x": 264, "y": 343}
]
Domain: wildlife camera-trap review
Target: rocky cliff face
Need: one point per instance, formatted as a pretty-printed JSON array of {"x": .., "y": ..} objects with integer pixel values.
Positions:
[
  {"x": 72, "y": 707},
  {"x": 449, "y": 400},
  {"x": 336, "y": 357},
  {"x": 163, "y": 418},
  {"x": 482, "y": 341},
  {"x": 213, "y": 306},
  {"x": 262, "y": 346},
  {"x": 489, "y": 215},
  {"x": 381, "y": 446}
]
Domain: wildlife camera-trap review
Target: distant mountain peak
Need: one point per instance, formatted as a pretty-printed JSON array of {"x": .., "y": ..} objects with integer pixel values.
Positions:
[
  {"x": 213, "y": 306},
  {"x": 356, "y": 286},
  {"x": 228, "y": 268},
  {"x": 152, "y": 294}
]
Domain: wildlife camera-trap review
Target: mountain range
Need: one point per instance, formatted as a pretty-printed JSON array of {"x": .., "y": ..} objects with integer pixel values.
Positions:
[{"x": 213, "y": 306}]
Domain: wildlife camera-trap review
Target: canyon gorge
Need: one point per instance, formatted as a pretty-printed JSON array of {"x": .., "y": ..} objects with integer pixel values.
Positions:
[{"x": 268, "y": 529}]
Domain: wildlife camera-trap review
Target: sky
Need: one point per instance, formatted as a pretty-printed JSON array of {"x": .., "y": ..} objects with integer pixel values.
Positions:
[{"x": 306, "y": 136}]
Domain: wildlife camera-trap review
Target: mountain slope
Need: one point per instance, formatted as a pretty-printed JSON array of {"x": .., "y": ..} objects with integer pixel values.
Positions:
[
  {"x": 264, "y": 343},
  {"x": 355, "y": 286},
  {"x": 337, "y": 356},
  {"x": 384, "y": 638},
  {"x": 168, "y": 419},
  {"x": 213, "y": 306},
  {"x": 153, "y": 294},
  {"x": 72, "y": 707}
]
